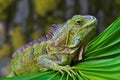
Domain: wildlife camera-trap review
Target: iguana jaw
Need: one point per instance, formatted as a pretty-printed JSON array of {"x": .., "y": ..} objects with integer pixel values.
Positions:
[
  {"x": 89, "y": 28},
  {"x": 91, "y": 24},
  {"x": 83, "y": 35}
]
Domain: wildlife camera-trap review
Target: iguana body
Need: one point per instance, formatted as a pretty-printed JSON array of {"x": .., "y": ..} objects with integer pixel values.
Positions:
[{"x": 55, "y": 51}]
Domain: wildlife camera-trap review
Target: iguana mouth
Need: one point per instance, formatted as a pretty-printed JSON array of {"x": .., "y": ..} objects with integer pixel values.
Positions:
[{"x": 92, "y": 23}]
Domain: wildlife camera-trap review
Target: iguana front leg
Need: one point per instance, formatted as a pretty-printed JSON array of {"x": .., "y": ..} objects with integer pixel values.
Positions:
[{"x": 57, "y": 62}]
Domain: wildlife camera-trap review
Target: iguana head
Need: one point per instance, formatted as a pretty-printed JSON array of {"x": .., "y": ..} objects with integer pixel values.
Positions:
[
  {"x": 80, "y": 29},
  {"x": 71, "y": 35}
]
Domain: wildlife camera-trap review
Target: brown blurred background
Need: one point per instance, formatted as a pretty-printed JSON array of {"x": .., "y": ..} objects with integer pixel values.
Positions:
[{"x": 22, "y": 21}]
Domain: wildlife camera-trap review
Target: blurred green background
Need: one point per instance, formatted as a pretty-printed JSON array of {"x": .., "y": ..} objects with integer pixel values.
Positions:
[{"x": 22, "y": 21}]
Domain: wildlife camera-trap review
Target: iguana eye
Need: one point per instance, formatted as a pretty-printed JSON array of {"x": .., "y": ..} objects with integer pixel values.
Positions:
[{"x": 79, "y": 22}]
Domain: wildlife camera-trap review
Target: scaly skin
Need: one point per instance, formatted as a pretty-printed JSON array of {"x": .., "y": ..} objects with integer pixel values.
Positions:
[{"x": 56, "y": 53}]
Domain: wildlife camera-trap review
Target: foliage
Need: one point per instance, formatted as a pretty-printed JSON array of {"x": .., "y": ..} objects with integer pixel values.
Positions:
[
  {"x": 49, "y": 12},
  {"x": 5, "y": 50},
  {"x": 100, "y": 62},
  {"x": 42, "y": 7},
  {"x": 36, "y": 35},
  {"x": 117, "y": 1},
  {"x": 4, "y": 4},
  {"x": 102, "y": 57},
  {"x": 17, "y": 37}
]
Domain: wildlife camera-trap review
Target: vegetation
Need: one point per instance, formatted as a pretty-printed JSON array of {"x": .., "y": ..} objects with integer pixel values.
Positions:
[
  {"x": 23, "y": 25},
  {"x": 99, "y": 62}
]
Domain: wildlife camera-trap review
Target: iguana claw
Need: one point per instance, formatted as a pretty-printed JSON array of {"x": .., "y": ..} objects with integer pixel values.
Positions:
[{"x": 67, "y": 69}]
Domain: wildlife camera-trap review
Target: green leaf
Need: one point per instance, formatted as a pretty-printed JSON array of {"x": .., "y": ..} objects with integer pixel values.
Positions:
[
  {"x": 102, "y": 59},
  {"x": 106, "y": 44},
  {"x": 100, "y": 62}
]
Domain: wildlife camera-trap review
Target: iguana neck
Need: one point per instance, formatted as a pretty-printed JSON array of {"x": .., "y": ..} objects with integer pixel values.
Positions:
[{"x": 59, "y": 42}]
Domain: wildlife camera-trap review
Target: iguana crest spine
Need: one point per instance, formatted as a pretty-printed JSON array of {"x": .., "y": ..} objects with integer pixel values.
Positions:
[{"x": 52, "y": 31}]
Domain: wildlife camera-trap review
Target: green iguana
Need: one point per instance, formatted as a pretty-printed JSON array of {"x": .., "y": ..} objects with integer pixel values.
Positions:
[{"x": 57, "y": 50}]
